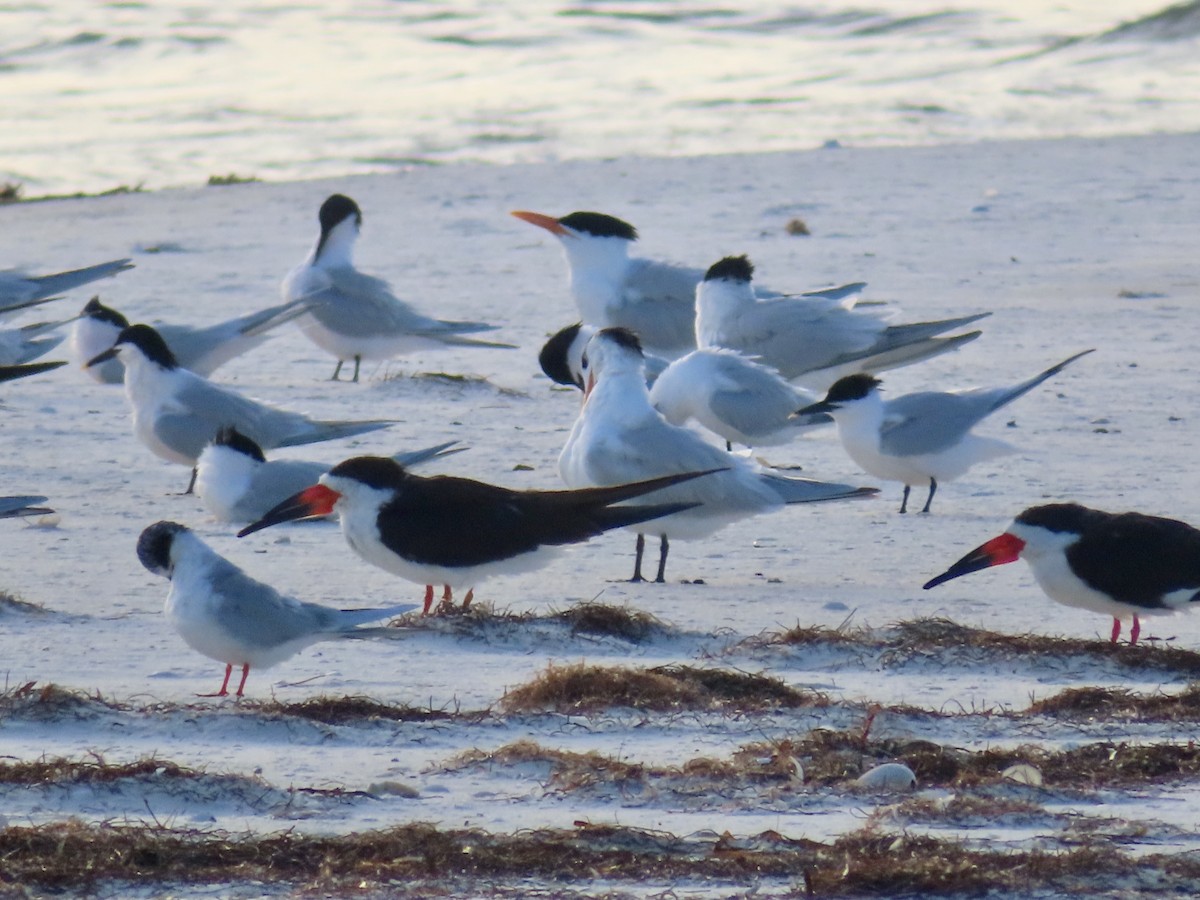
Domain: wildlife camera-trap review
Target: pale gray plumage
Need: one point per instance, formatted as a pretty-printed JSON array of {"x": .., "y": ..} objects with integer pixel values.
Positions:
[{"x": 20, "y": 291}]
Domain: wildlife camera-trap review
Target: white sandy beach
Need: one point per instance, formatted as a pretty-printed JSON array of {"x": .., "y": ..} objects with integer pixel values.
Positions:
[{"x": 1072, "y": 244}]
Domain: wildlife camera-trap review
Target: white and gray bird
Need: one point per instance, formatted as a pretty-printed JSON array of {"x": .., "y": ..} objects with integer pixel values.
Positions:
[
  {"x": 224, "y": 614},
  {"x": 356, "y": 316},
  {"x": 811, "y": 340},
  {"x": 19, "y": 346},
  {"x": 653, "y": 299},
  {"x": 619, "y": 437},
  {"x": 177, "y": 412},
  {"x": 237, "y": 483},
  {"x": 722, "y": 390},
  {"x": 20, "y": 291},
  {"x": 198, "y": 349},
  {"x": 923, "y": 437},
  {"x": 18, "y": 507}
]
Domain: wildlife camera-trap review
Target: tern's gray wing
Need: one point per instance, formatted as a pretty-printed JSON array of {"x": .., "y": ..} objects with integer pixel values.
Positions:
[
  {"x": 259, "y": 616},
  {"x": 931, "y": 421},
  {"x": 754, "y": 399},
  {"x": 202, "y": 408},
  {"x": 11, "y": 373},
  {"x": 659, "y": 305},
  {"x": 204, "y": 350},
  {"x": 12, "y": 507},
  {"x": 23, "y": 345},
  {"x": 273, "y": 482},
  {"x": 353, "y": 303},
  {"x": 16, "y": 287}
]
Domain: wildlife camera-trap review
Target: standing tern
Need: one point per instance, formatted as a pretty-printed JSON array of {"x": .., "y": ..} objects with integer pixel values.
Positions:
[
  {"x": 199, "y": 350},
  {"x": 620, "y": 437},
  {"x": 17, "y": 507},
  {"x": 12, "y": 373},
  {"x": 177, "y": 412},
  {"x": 237, "y": 483},
  {"x": 456, "y": 531},
  {"x": 226, "y": 615},
  {"x": 356, "y": 316},
  {"x": 730, "y": 395},
  {"x": 19, "y": 291},
  {"x": 1119, "y": 564},
  {"x": 811, "y": 340},
  {"x": 655, "y": 300},
  {"x": 921, "y": 437}
]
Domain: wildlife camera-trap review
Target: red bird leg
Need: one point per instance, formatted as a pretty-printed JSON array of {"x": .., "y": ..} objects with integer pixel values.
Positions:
[
  {"x": 224, "y": 684},
  {"x": 242, "y": 684},
  {"x": 467, "y": 599},
  {"x": 428, "y": 599},
  {"x": 1135, "y": 630},
  {"x": 1116, "y": 631}
]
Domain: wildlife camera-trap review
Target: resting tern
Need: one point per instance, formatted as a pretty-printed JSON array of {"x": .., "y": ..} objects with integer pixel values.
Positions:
[
  {"x": 223, "y": 613},
  {"x": 12, "y": 373},
  {"x": 177, "y": 412},
  {"x": 199, "y": 350},
  {"x": 456, "y": 531},
  {"x": 810, "y": 340},
  {"x": 16, "y": 507},
  {"x": 656, "y": 300},
  {"x": 27, "y": 343},
  {"x": 730, "y": 395},
  {"x": 237, "y": 483},
  {"x": 921, "y": 437},
  {"x": 620, "y": 437},
  {"x": 1119, "y": 564},
  {"x": 356, "y": 316},
  {"x": 20, "y": 291}
]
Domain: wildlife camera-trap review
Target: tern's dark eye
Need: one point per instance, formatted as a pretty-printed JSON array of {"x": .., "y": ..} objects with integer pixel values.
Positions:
[{"x": 583, "y": 362}]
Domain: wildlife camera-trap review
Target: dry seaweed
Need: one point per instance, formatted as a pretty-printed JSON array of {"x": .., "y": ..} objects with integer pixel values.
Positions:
[{"x": 347, "y": 710}]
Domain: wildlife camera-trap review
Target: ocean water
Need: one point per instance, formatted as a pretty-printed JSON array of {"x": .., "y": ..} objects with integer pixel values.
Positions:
[{"x": 96, "y": 95}]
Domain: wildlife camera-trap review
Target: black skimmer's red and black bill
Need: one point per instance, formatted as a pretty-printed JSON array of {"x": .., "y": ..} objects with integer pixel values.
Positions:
[
  {"x": 1123, "y": 565},
  {"x": 356, "y": 316},
  {"x": 656, "y": 300},
  {"x": 223, "y": 613},
  {"x": 457, "y": 531},
  {"x": 920, "y": 438},
  {"x": 811, "y": 340},
  {"x": 620, "y": 437}
]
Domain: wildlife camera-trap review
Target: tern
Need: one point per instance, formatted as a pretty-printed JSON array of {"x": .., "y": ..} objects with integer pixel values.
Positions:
[
  {"x": 177, "y": 412},
  {"x": 725, "y": 392},
  {"x": 923, "y": 437},
  {"x": 12, "y": 373},
  {"x": 457, "y": 531},
  {"x": 199, "y": 350},
  {"x": 237, "y": 483},
  {"x": 226, "y": 615},
  {"x": 356, "y": 316},
  {"x": 620, "y": 437},
  {"x": 1123, "y": 565},
  {"x": 811, "y": 340},
  {"x": 655, "y": 300},
  {"x": 17, "y": 507},
  {"x": 27, "y": 343},
  {"x": 20, "y": 291}
]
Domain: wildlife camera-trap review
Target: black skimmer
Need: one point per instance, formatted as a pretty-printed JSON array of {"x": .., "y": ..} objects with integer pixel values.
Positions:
[
  {"x": 1120, "y": 564},
  {"x": 457, "y": 531}
]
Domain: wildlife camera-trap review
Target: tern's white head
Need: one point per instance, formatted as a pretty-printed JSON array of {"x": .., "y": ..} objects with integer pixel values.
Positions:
[{"x": 611, "y": 354}]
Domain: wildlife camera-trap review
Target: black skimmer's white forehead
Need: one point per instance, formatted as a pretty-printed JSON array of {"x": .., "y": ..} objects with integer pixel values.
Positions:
[
  {"x": 1121, "y": 564},
  {"x": 457, "y": 531},
  {"x": 223, "y": 613},
  {"x": 731, "y": 268}
]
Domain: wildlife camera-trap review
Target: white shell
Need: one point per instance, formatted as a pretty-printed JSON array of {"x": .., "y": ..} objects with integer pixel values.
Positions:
[
  {"x": 1023, "y": 773},
  {"x": 888, "y": 777}
]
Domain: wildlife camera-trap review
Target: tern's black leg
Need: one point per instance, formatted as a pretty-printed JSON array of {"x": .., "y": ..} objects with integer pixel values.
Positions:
[
  {"x": 904, "y": 502},
  {"x": 729, "y": 446},
  {"x": 337, "y": 371},
  {"x": 357, "y": 363},
  {"x": 663, "y": 548},
  {"x": 932, "y": 491},
  {"x": 191, "y": 488},
  {"x": 637, "y": 560}
]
